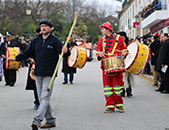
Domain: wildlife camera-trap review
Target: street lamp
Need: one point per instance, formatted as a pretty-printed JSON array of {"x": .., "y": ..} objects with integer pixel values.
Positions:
[
  {"x": 28, "y": 12},
  {"x": 115, "y": 23}
]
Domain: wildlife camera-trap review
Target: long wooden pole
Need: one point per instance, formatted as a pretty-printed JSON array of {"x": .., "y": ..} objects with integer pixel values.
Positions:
[{"x": 67, "y": 41}]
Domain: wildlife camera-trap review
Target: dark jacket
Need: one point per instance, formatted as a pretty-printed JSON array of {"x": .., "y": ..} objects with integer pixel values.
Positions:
[
  {"x": 158, "y": 60},
  {"x": 165, "y": 54},
  {"x": 46, "y": 54},
  {"x": 154, "y": 48},
  {"x": 66, "y": 68}
]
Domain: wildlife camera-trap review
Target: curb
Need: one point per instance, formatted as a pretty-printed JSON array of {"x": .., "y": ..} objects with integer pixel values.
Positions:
[{"x": 149, "y": 77}]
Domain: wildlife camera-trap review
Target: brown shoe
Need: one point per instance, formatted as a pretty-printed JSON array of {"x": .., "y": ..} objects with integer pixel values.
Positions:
[
  {"x": 71, "y": 82},
  {"x": 108, "y": 110},
  {"x": 34, "y": 126},
  {"x": 64, "y": 82},
  {"x": 47, "y": 125},
  {"x": 120, "y": 109}
]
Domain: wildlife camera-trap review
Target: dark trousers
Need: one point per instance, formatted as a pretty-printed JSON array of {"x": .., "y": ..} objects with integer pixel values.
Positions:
[
  {"x": 10, "y": 75},
  {"x": 70, "y": 78},
  {"x": 164, "y": 82},
  {"x": 24, "y": 63},
  {"x": 157, "y": 8}
]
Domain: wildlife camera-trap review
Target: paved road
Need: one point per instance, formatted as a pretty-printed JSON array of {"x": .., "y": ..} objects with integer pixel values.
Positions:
[{"x": 81, "y": 106}]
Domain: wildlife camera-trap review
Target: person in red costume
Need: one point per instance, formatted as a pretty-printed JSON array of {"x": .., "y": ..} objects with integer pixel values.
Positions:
[{"x": 113, "y": 85}]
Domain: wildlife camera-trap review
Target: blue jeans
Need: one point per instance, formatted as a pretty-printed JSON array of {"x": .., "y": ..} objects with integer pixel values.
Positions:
[
  {"x": 70, "y": 77},
  {"x": 150, "y": 65}
]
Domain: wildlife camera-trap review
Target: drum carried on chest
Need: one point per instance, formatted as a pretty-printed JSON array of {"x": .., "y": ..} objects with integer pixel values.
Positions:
[
  {"x": 78, "y": 57},
  {"x": 113, "y": 64},
  {"x": 138, "y": 58},
  {"x": 12, "y": 52}
]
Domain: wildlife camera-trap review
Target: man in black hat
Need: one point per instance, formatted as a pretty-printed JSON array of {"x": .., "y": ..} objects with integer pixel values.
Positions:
[
  {"x": 31, "y": 85},
  {"x": 38, "y": 31},
  {"x": 46, "y": 48},
  {"x": 66, "y": 69},
  {"x": 9, "y": 74},
  {"x": 128, "y": 76}
]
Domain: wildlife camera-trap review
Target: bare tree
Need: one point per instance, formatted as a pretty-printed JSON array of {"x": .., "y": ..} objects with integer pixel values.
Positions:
[
  {"x": 71, "y": 6},
  {"x": 11, "y": 11}
]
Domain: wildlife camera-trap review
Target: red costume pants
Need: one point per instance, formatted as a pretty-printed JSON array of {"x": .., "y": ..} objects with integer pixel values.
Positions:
[{"x": 113, "y": 88}]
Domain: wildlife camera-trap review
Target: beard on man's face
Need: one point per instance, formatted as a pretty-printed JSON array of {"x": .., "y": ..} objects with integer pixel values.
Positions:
[{"x": 45, "y": 33}]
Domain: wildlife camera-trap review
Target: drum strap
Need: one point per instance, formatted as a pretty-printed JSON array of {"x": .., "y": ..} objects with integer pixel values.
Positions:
[{"x": 104, "y": 45}]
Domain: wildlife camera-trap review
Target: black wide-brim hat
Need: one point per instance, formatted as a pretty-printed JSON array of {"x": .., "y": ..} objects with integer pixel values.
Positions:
[
  {"x": 122, "y": 34},
  {"x": 46, "y": 22}
]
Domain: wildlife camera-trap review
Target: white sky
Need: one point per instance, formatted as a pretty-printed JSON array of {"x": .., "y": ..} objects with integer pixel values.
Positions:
[
  {"x": 104, "y": 1},
  {"x": 112, "y": 3}
]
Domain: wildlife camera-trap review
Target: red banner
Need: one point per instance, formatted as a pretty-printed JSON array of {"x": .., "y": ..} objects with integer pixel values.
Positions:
[
  {"x": 136, "y": 25},
  {"x": 159, "y": 26}
]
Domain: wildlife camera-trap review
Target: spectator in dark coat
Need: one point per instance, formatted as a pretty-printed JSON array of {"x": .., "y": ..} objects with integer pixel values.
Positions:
[
  {"x": 66, "y": 69},
  {"x": 24, "y": 46},
  {"x": 165, "y": 62},
  {"x": 31, "y": 85},
  {"x": 162, "y": 61},
  {"x": 155, "y": 45}
]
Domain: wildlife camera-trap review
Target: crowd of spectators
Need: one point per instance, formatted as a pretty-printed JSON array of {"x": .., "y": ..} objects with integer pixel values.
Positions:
[
  {"x": 147, "y": 40},
  {"x": 155, "y": 5},
  {"x": 158, "y": 44},
  {"x": 24, "y": 43}
]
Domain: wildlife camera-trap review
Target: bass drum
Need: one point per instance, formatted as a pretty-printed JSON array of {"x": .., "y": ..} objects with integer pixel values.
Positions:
[
  {"x": 78, "y": 57},
  {"x": 138, "y": 58},
  {"x": 12, "y": 52}
]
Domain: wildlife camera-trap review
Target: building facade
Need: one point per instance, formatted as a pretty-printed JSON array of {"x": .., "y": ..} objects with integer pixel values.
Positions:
[{"x": 132, "y": 22}]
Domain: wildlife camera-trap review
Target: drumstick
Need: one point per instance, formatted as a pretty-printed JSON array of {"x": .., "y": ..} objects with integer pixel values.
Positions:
[
  {"x": 57, "y": 66},
  {"x": 121, "y": 51},
  {"x": 118, "y": 51}
]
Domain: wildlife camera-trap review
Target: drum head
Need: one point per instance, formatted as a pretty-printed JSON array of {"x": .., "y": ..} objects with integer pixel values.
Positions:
[
  {"x": 7, "y": 54},
  {"x": 72, "y": 59},
  {"x": 133, "y": 49}
]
